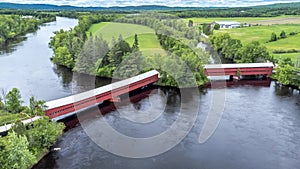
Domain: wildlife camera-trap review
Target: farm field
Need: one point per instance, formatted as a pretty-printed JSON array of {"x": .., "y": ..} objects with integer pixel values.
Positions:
[
  {"x": 148, "y": 42},
  {"x": 262, "y": 34},
  {"x": 252, "y": 20}
]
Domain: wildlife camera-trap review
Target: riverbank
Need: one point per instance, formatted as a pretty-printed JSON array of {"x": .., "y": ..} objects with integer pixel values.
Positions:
[
  {"x": 15, "y": 31},
  {"x": 25, "y": 145}
]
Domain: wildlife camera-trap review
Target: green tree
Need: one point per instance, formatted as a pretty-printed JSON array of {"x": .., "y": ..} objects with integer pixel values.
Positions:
[
  {"x": 14, "y": 152},
  {"x": 238, "y": 73},
  {"x": 120, "y": 38},
  {"x": 135, "y": 46},
  {"x": 231, "y": 49},
  {"x": 216, "y": 27},
  {"x": 36, "y": 107},
  {"x": 191, "y": 23},
  {"x": 132, "y": 65},
  {"x": 273, "y": 37},
  {"x": 218, "y": 41},
  {"x": 254, "y": 52},
  {"x": 43, "y": 134},
  {"x": 13, "y": 102},
  {"x": 282, "y": 34},
  {"x": 63, "y": 57},
  {"x": 206, "y": 28}
]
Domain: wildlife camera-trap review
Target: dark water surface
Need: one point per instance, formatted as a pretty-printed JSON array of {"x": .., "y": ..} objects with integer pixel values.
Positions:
[{"x": 259, "y": 129}]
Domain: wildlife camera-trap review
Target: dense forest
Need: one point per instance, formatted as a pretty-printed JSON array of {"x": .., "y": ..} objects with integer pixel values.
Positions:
[
  {"x": 25, "y": 145},
  {"x": 12, "y": 26}
]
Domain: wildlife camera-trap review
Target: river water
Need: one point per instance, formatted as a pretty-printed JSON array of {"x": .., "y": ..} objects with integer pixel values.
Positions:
[
  {"x": 27, "y": 65},
  {"x": 260, "y": 126}
]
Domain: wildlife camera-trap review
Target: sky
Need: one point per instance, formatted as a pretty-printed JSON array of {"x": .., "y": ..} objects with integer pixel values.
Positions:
[{"x": 190, "y": 3}]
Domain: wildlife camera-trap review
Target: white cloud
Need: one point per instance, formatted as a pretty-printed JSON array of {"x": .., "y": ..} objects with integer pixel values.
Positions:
[{"x": 194, "y": 3}]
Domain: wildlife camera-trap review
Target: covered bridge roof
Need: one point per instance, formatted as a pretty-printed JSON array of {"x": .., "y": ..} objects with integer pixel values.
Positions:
[{"x": 243, "y": 65}]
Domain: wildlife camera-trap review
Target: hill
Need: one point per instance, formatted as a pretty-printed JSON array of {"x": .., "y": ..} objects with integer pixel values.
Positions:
[
  {"x": 114, "y": 8},
  {"x": 280, "y": 6}
]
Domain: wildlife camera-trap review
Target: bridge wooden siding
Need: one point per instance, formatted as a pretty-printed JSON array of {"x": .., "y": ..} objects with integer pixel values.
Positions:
[
  {"x": 64, "y": 107},
  {"x": 244, "y": 69}
]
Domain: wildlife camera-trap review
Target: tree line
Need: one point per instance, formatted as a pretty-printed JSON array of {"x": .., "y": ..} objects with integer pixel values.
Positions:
[
  {"x": 258, "y": 11},
  {"x": 166, "y": 24},
  {"x": 233, "y": 51},
  {"x": 26, "y": 144},
  {"x": 68, "y": 44},
  {"x": 12, "y": 26}
]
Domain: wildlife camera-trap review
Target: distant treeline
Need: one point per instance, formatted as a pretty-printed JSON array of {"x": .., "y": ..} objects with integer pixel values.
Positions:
[
  {"x": 12, "y": 26},
  {"x": 256, "y": 11},
  {"x": 34, "y": 13},
  {"x": 259, "y": 11}
]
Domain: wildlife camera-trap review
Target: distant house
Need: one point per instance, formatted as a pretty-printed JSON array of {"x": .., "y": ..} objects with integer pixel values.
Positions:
[
  {"x": 28, "y": 17},
  {"x": 226, "y": 24}
]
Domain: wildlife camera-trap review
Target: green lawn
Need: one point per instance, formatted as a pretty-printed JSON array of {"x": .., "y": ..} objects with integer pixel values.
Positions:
[
  {"x": 293, "y": 56},
  {"x": 292, "y": 42},
  {"x": 148, "y": 41},
  {"x": 253, "y": 20}
]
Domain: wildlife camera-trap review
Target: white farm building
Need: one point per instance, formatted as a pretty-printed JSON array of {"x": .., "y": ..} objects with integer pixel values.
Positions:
[{"x": 226, "y": 24}]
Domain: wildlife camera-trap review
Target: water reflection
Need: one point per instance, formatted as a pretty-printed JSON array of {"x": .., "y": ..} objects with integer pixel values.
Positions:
[
  {"x": 285, "y": 90},
  {"x": 11, "y": 46},
  {"x": 259, "y": 129},
  {"x": 245, "y": 82},
  {"x": 65, "y": 74}
]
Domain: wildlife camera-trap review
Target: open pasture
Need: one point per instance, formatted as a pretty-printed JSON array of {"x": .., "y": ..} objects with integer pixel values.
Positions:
[
  {"x": 252, "y": 20},
  {"x": 148, "y": 42}
]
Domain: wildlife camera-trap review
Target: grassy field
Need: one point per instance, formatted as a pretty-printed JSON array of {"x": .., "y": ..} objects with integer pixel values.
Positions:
[
  {"x": 148, "y": 42},
  {"x": 293, "y": 56},
  {"x": 252, "y": 20},
  {"x": 262, "y": 34}
]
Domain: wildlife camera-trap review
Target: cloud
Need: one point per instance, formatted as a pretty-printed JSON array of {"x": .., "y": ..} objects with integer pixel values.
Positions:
[{"x": 194, "y": 3}]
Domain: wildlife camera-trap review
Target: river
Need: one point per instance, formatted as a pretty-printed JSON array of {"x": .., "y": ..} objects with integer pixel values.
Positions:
[
  {"x": 260, "y": 126},
  {"x": 27, "y": 65}
]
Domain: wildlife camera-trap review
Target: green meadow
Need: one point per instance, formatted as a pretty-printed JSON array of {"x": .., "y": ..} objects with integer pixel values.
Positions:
[
  {"x": 262, "y": 34},
  {"x": 252, "y": 20},
  {"x": 148, "y": 42},
  {"x": 293, "y": 56}
]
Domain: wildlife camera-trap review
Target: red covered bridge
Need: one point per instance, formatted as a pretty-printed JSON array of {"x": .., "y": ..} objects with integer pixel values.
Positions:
[
  {"x": 265, "y": 69},
  {"x": 60, "y": 108}
]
